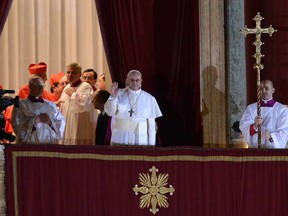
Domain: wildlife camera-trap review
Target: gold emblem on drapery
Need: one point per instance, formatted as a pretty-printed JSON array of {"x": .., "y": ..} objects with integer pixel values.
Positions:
[{"x": 153, "y": 189}]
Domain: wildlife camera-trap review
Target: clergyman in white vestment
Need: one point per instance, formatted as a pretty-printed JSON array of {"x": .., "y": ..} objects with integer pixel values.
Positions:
[
  {"x": 78, "y": 109},
  {"x": 133, "y": 112},
  {"x": 273, "y": 120},
  {"x": 37, "y": 120}
]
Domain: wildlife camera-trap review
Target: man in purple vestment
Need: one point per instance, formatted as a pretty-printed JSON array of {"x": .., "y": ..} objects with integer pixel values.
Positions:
[{"x": 273, "y": 120}]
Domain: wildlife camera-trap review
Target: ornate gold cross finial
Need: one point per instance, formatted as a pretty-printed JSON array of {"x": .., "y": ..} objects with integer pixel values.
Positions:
[
  {"x": 258, "y": 66},
  {"x": 258, "y": 31}
]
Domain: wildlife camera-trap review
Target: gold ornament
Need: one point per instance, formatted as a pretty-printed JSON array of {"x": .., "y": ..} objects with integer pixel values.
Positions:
[
  {"x": 258, "y": 30},
  {"x": 153, "y": 189}
]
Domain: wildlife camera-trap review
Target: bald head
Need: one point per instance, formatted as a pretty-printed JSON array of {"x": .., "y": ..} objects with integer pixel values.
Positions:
[
  {"x": 36, "y": 86},
  {"x": 268, "y": 82}
]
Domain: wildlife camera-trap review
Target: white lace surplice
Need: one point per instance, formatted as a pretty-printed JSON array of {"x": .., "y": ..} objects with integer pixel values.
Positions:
[
  {"x": 28, "y": 131},
  {"x": 80, "y": 116},
  {"x": 275, "y": 121}
]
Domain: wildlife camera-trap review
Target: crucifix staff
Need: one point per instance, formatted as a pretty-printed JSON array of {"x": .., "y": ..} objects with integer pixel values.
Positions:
[{"x": 258, "y": 66}]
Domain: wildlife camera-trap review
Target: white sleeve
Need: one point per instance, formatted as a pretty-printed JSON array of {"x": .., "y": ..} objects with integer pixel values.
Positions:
[
  {"x": 110, "y": 106},
  {"x": 22, "y": 124},
  {"x": 58, "y": 122},
  {"x": 246, "y": 121},
  {"x": 151, "y": 131},
  {"x": 81, "y": 100}
]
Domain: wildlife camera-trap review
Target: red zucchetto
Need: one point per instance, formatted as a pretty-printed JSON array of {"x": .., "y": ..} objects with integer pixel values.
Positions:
[
  {"x": 55, "y": 78},
  {"x": 37, "y": 68}
]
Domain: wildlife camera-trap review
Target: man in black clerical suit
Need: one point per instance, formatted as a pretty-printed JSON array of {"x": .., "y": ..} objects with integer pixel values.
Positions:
[{"x": 103, "y": 119}]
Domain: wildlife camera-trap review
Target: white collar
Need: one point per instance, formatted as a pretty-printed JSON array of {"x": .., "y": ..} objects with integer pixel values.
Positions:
[
  {"x": 266, "y": 101},
  {"x": 134, "y": 92}
]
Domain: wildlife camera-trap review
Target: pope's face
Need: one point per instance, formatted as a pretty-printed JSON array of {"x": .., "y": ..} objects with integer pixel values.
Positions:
[
  {"x": 267, "y": 90},
  {"x": 134, "y": 81}
]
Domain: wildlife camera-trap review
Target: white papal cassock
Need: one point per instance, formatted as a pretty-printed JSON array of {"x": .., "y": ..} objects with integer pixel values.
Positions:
[
  {"x": 28, "y": 131},
  {"x": 133, "y": 117},
  {"x": 275, "y": 121}
]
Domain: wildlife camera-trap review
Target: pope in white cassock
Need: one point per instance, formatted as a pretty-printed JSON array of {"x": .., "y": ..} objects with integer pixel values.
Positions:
[
  {"x": 273, "y": 120},
  {"x": 37, "y": 120},
  {"x": 133, "y": 112}
]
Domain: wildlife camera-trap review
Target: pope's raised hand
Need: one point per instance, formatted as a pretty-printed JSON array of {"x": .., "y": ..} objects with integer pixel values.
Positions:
[{"x": 114, "y": 89}]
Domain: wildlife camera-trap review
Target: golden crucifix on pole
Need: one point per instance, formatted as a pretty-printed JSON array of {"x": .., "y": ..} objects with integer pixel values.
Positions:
[{"x": 258, "y": 66}]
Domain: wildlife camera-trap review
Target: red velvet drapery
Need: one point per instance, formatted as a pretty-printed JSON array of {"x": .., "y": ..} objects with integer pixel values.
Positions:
[
  {"x": 161, "y": 39},
  {"x": 87, "y": 180},
  {"x": 4, "y": 10},
  {"x": 275, "y": 48}
]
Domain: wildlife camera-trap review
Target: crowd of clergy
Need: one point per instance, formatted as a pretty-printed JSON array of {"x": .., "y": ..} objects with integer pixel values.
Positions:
[
  {"x": 72, "y": 118},
  {"x": 79, "y": 110}
]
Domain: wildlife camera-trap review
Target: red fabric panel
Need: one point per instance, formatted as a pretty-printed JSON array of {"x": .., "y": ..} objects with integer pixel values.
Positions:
[
  {"x": 252, "y": 130},
  {"x": 275, "y": 48},
  {"x": 127, "y": 31},
  {"x": 85, "y": 180}
]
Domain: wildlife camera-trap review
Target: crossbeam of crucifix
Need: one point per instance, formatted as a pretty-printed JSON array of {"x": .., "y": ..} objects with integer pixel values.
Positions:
[
  {"x": 131, "y": 111},
  {"x": 258, "y": 55}
]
